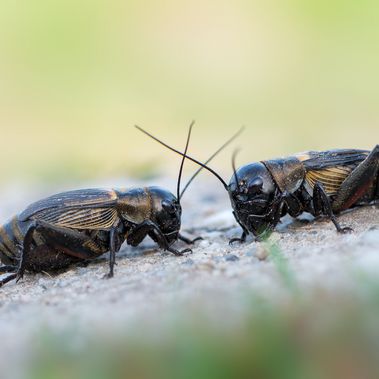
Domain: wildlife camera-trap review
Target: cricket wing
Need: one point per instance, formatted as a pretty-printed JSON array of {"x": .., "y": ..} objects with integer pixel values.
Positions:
[
  {"x": 317, "y": 160},
  {"x": 330, "y": 168},
  {"x": 80, "y": 209}
]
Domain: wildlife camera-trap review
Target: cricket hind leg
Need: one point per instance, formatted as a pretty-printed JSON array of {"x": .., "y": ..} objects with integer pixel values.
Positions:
[
  {"x": 358, "y": 182},
  {"x": 45, "y": 258},
  {"x": 83, "y": 247},
  {"x": 8, "y": 279},
  {"x": 41, "y": 258},
  {"x": 5, "y": 270},
  {"x": 78, "y": 246},
  {"x": 62, "y": 247},
  {"x": 28, "y": 238},
  {"x": 322, "y": 206}
]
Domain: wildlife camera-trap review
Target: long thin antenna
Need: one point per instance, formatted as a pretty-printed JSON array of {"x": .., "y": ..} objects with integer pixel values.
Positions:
[
  {"x": 234, "y": 166},
  {"x": 183, "y": 159},
  {"x": 210, "y": 158},
  {"x": 188, "y": 157}
]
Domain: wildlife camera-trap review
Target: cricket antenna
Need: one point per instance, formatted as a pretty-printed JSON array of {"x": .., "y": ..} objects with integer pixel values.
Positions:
[
  {"x": 234, "y": 166},
  {"x": 184, "y": 155},
  {"x": 182, "y": 163},
  {"x": 210, "y": 158}
]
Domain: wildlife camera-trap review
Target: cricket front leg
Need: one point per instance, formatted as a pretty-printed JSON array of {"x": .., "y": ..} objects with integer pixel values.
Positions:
[
  {"x": 358, "y": 182},
  {"x": 244, "y": 234},
  {"x": 188, "y": 241},
  {"x": 241, "y": 239},
  {"x": 151, "y": 229},
  {"x": 139, "y": 233}
]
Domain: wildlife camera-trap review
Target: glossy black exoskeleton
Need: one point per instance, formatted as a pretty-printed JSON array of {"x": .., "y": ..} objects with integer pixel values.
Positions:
[
  {"x": 321, "y": 183},
  {"x": 84, "y": 224}
]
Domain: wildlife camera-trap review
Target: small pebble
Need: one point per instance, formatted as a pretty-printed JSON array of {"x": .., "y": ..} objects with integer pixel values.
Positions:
[
  {"x": 204, "y": 243},
  {"x": 62, "y": 283},
  {"x": 262, "y": 253},
  {"x": 43, "y": 283},
  {"x": 206, "y": 266},
  {"x": 231, "y": 258},
  {"x": 188, "y": 262},
  {"x": 217, "y": 259}
]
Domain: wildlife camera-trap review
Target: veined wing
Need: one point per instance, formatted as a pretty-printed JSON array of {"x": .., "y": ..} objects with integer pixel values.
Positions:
[
  {"x": 331, "y": 178},
  {"x": 317, "y": 160},
  {"x": 330, "y": 168},
  {"x": 80, "y": 209}
]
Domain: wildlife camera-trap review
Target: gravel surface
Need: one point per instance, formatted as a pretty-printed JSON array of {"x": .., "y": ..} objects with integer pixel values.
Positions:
[{"x": 154, "y": 287}]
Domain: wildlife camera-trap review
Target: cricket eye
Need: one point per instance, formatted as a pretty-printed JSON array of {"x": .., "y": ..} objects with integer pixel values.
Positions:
[
  {"x": 255, "y": 185},
  {"x": 168, "y": 207}
]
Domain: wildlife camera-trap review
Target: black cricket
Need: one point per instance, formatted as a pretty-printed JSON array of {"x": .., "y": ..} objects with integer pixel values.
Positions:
[
  {"x": 73, "y": 226},
  {"x": 321, "y": 183}
]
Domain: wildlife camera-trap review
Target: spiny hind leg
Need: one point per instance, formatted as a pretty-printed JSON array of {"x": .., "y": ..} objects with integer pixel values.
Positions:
[
  {"x": 79, "y": 245},
  {"x": 5, "y": 270},
  {"x": 358, "y": 182},
  {"x": 322, "y": 206},
  {"x": 8, "y": 279},
  {"x": 64, "y": 240},
  {"x": 21, "y": 266}
]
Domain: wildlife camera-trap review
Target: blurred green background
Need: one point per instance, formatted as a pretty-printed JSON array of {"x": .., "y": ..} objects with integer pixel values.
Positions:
[{"x": 75, "y": 76}]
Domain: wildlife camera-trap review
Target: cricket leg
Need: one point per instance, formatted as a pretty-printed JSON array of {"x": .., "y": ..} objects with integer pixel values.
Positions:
[
  {"x": 322, "y": 206},
  {"x": 357, "y": 183},
  {"x": 65, "y": 240},
  {"x": 21, "y": 267},
  {"x": 188, "y": 241},
  {"x": 7, "y": 269},
  {"x": 8, "y": 279},
  {"x": 244, "y": 234},
  {"x": 151, "y": 229}
]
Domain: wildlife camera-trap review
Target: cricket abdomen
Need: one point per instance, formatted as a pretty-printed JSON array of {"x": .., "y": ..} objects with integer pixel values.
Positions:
[
  {"x": 43, "y": 256},
  {"x": 11, "y": 238}
]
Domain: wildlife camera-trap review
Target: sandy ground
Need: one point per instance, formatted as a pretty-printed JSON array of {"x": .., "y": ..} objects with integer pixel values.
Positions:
[{"x": 154, "y": 287}]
